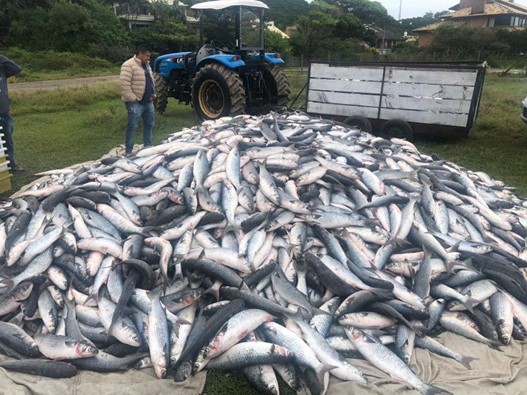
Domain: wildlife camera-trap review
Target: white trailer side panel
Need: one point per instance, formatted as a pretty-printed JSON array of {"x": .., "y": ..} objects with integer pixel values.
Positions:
[{"x": 420, "y": 95}]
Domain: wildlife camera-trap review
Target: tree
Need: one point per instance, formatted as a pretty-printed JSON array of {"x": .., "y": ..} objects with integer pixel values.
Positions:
[
  {"x": 410, "y": 24},
  {"x": 465, "y": 42},
  {"x": 285, "y": 13},
  {"x": 275, "y": 43},
  {"x": 166, "y": 36},
  {"x": 66, "y": 26}
]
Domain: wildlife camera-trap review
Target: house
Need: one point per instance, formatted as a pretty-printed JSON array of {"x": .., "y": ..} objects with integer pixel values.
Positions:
[
  {"x": 386, "y": 40},
  {"x": 271, "y": 26},
  {"x": 136, "y": 15},
  {"x": 503, "y": 14}
]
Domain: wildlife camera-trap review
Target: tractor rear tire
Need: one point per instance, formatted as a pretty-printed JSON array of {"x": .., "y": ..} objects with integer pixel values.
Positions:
[
  {"x": 160, "y": 103},
  {"x": 278, "y": 85},
  {"x": 217, "y": 92}
]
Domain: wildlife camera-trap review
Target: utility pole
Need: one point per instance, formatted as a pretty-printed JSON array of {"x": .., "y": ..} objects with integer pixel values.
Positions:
[{"x": 400, "y": 7}]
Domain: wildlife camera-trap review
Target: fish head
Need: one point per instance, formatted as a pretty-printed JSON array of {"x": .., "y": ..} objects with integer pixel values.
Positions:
[
  {"x": 183, "y": 371},
  {"x": 85, "y": 349},
  {"x": 160, "y": 367},
  {"x": 354, "y": 334},
  {"x": 22, "y": 291}
]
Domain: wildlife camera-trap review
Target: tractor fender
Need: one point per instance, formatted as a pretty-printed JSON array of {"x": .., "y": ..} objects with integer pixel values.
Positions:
[
  {"x": 164, "y": 64},
  {"x": 229, "y": 61},
  {"x": 271, "y": 58}
]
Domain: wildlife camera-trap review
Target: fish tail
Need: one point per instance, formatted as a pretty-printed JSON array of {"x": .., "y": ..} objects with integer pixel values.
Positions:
[
  {"x": 432, "y": 390},
  {"x": 90, "y": 297},
  {"x": 494, "y": 345},
  {"x": 230, "y": 228},
  {"x": 6, "y": 286},
  {"x": 323, "y": 375},
  {"x": 450, "y": 266},
  {"x": 213, "y": 291},
  {"x": 465, "y": 361},
  {"x": 419, "y": 328}
]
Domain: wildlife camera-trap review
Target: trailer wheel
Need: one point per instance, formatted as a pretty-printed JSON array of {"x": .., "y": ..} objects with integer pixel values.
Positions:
[
  {"x": 397, "y": 128},
  {"x": 359, "y": 122},
  {"x": 217, "y": 92}
]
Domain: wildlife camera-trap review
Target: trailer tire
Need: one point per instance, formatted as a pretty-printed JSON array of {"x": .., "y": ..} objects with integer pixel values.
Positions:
[
  {"x": 217, "y": 92},
  {"x": 359, "y": 122},
  {"x": 160, "y": 103},
  {"x": 398, "y": 128}
]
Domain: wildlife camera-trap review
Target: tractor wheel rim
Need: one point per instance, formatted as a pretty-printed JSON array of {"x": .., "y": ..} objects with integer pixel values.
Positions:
[{"x": 211, "y": 99}]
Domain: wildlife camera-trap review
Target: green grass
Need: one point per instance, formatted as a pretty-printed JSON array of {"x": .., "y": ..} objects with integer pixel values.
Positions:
[
  {"x": 51, "y": 65},
  {"x": 497, "y": 143},
  {"x": 59, "y": 128}
]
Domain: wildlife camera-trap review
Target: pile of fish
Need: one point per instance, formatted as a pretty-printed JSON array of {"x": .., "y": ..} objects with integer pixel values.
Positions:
[{"x": 275, "y": 246}]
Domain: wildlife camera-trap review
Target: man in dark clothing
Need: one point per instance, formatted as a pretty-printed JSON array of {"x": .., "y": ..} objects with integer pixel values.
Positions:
[{"x": 8, "y": 68}]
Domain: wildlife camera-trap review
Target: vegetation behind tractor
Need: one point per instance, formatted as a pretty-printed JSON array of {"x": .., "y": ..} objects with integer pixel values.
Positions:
[{"x": 225, "y": 77}]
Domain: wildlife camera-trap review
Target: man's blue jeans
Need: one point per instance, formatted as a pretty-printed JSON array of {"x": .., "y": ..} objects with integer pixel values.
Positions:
[
  {"x": 7, "y": 124},
  {"x": 137, "y": 110}
]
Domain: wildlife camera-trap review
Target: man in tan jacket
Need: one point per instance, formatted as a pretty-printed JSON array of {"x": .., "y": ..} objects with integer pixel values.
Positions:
[{"x": 138, "y": 93}]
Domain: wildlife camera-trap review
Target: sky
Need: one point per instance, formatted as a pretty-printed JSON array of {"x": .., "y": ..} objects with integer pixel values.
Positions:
[{"x": 415, "y": 8}]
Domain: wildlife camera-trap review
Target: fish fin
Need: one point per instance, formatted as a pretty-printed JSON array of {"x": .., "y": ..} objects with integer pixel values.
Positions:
[
  {"x": 470, "y": 302},
  {"x": 383, "y": 293},
  {"x": 318, "y": 311},
  {"x": 396, "y": 242},
  {"x": 297, "y": 315},
  {"x": 465, "y": 361}
]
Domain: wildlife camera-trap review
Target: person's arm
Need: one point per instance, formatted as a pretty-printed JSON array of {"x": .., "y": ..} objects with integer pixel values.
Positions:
[
  {"x": 125, "y": 79},
  {"x": 10, "y": 68}
]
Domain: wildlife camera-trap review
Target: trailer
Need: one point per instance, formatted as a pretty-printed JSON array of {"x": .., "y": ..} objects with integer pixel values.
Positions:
[{"x": 398, "y": 99}]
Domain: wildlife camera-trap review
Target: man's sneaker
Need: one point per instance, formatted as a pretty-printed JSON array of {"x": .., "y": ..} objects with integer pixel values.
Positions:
[{"x": 17, "y": 168}]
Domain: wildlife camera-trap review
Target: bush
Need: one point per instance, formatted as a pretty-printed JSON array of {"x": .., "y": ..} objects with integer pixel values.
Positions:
[{"x": 53, "y": 64}]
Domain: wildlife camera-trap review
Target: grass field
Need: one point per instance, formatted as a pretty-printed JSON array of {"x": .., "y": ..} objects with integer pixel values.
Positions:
[
  {"x": 54, "y": 129},
  {"x": 59, "y": 128}
]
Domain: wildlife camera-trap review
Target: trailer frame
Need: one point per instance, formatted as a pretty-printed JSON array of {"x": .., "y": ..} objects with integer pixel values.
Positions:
[{"x": 396, "y": 99}]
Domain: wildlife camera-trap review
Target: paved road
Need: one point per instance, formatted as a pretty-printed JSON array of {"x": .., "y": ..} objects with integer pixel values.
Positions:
[{"x": 55, "y": 84}]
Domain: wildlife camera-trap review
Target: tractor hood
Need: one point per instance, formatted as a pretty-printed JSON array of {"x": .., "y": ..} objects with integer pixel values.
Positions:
[{"x": 222, "y": 4}]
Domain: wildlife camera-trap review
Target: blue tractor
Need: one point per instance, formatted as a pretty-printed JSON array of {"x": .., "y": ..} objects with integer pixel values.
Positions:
[{"x": 225, "y": 78}]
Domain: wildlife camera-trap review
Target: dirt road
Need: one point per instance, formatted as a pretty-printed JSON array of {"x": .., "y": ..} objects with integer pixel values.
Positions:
[{"x": 55, "y": 84}]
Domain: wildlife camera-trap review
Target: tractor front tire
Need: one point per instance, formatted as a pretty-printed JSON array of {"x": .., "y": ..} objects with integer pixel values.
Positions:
[
  {"x": 217, "y": 92},
  {"x": 161, "y": 100},
  {"x": 278, "y": 86}
]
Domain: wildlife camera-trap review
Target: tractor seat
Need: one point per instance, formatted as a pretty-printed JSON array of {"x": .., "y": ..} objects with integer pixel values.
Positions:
[{"x": 205, "y": 51}]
